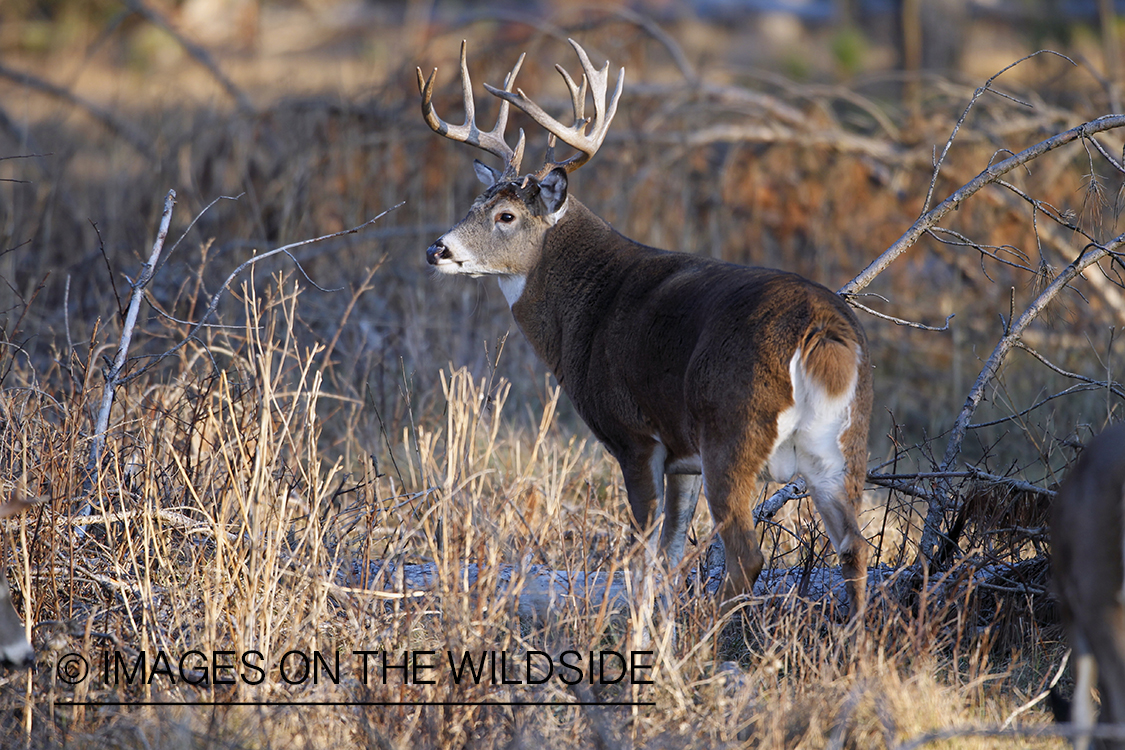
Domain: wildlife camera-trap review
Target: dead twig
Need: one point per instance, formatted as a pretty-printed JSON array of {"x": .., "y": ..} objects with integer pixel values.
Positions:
[
  {"x": 945, "y": 497},
  {"x": 214, "y": 303},
  {"x": 769, "y": 507},
  {"x": 901, "y": 321},
  {"x": 961, "y": 121},
  {"x": 990, "y": 175},
  {"x": 113, "y": 377}
]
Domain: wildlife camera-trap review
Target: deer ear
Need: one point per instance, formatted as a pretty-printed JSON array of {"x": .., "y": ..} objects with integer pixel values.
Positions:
[
  {"x": 552, "y": 190},
  {"x": 485, "y": 173}
]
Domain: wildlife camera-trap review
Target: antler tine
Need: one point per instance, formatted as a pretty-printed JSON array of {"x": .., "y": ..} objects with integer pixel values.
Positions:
[
  {"x": 598, "y": 81},
  {"x": 577, "y": 94},
  {"x": 512, "y": 168},
  {"x": 575, "y": 137},
  {"x": 491, "y": 141},
  {"x": 467, "y": 87},
  {"x": 577, "y": 102}
]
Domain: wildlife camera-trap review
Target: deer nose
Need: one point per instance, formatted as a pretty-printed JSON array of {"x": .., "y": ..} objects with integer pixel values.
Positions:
[{"x": 438, "y": 252}]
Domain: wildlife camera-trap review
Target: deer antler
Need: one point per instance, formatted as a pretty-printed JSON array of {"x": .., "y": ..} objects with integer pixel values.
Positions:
[
  {"x": 576, "y": 136},
  {"x": 492, "y": 141}
]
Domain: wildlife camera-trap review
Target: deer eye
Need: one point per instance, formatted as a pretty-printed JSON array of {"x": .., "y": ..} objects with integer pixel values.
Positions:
[{"x": 505, "y": 217}]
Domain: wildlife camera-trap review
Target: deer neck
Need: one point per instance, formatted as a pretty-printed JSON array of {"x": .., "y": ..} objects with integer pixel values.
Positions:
[{"x": 561, "y": 297}]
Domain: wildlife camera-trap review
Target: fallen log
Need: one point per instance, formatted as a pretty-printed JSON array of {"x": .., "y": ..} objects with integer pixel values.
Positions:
[{"x": 537, "y": 590}]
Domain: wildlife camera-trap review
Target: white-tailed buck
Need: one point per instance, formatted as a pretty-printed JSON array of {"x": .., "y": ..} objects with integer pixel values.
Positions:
[
  {"x": 15, "y": 651},
  {"x": 681, "y": 365},
  {"x": 1088, "y": 566}
]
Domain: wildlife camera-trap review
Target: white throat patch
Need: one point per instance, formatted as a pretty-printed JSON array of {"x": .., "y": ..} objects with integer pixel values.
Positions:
[{"x": 512, "y": 287}]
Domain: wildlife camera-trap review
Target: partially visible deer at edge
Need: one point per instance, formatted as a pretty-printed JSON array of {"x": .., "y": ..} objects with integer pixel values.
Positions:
[
  {"x": 1088, "y": 567},
  {"x": 691, "y": 371},
  {"x": 15, "y": 650}
]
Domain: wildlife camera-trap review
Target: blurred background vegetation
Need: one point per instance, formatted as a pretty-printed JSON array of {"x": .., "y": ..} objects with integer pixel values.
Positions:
[{"x": 794, "y": 134}]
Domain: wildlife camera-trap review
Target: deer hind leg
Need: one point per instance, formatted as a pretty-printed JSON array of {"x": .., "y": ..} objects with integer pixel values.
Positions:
[
  {"x": 730, "y": 479},
  {"x": 642, "y": 466},
  {"x": 835, "y": 488},
  {"x": 830, "y": 451},
  {"x": 655, "y": 496},
  {"x": 839, "y": 516}
]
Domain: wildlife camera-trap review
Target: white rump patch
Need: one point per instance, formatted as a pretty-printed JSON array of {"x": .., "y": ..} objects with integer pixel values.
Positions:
[
  {"x": 809, "y": 432},
  {"x": 512, "y": 287}
]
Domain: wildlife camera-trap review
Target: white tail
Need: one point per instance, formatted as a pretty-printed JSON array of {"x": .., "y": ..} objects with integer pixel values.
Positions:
[
  {"x": 681, "y": 365},
  {"x": 15, "y": 650},
  {"x": 1088, "y": 566}
]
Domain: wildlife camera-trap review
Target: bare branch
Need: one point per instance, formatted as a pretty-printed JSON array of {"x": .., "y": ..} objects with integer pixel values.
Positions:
[
  {"x": 1092, "y": 254},
  {"x": 1105, "y": 154},
  {"x": 769, "y": 507},
  {"x": 1012, "y": 417},
  {"x": 837, "y": 140},
  {"x": 1059, "y": 243},
  {"x": 308, "y": 278},
  {"x": 990, "y": 175},
  {"x": 900, "y": 321},
  {"x": 201, "y": 55},
  {"x": 1015, "y": 484},
  {"x": 1062, "y": 219},
  {"x": 650, "y": 27},
  {"x": 1114, "y": 387},
  {"x": 24, "y": 156},
  {"x": 989, "y": 251},
  {"x": 906, "y": 488},
  {"x": 199, "y": 215},
  {"x": 976, "y": 95},
  {"x": 214, "y": 304},
  {"x": 113, "y": 377}
]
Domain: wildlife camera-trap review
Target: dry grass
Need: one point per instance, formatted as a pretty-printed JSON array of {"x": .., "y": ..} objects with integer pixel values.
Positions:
[
  {"x": 262, "y": 487},
  {"x": 220, "y": 527}
]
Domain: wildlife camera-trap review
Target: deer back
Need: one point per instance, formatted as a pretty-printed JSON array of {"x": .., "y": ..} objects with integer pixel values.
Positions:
[{"x": 651, "y": 342}]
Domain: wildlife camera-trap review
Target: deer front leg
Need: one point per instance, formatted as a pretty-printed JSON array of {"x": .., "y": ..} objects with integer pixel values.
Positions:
[
  {"x": 681, "y": 494},
  {"x": 643, "y": 469}
]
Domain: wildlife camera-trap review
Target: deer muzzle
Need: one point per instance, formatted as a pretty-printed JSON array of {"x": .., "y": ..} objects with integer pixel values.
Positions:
[{"x": 438, "y": 252}]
